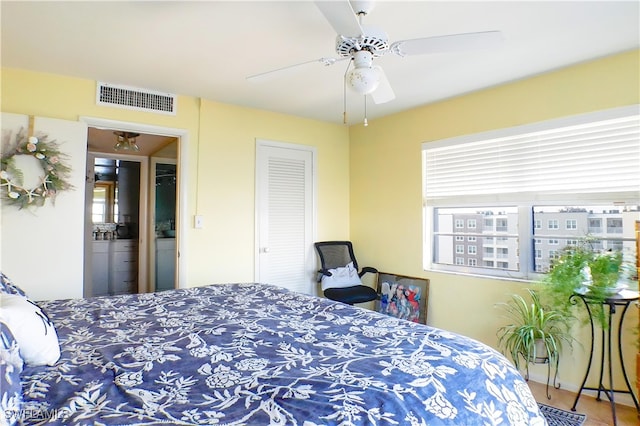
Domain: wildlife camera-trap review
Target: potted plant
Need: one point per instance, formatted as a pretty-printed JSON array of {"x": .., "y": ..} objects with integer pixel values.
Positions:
[
  {"x": 535, "y": 334},
  {"x": 581, "y": 269}
]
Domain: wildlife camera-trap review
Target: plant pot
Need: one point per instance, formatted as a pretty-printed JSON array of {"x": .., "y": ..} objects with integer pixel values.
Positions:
[
  {"x": 541, "y": 353},
  {"x": 604, "y": 291}
]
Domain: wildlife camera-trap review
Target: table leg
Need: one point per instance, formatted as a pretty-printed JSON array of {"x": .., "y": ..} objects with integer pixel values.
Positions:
[
  {"x": 624, "y": 371},
  {"x": 611, "y": 392},
  {"x": 586, "y": 375}
]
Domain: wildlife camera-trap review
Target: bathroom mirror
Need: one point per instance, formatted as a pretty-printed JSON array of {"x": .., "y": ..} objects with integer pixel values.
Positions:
[{"x": 103, "y": 209}]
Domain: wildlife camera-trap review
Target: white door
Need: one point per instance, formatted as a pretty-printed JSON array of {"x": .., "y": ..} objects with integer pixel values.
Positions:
[{"x": 285, "y": 215}]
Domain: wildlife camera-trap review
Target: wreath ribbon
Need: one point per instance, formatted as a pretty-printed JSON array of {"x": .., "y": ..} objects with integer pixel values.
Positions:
[
  {"x": 50, "y": 159},
  {"x": 31, "y": 124}
]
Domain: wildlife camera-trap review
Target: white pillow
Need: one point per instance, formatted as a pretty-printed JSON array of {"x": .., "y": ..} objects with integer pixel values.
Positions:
[
  {"x": 36, "y": 336},
  {"x": 341, "y": 277}
]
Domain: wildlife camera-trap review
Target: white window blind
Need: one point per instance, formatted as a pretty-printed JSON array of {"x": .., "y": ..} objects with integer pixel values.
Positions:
[{"x": 593, "y": 153}]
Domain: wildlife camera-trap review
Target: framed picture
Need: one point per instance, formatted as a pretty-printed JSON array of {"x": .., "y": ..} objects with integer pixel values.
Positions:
[{"x": 403, "y": 297}]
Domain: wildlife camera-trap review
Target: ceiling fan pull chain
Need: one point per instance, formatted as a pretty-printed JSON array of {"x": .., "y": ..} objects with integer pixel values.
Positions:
[
  {"x": 344, "y": 93},
  {"x": 366, "y": 122}
]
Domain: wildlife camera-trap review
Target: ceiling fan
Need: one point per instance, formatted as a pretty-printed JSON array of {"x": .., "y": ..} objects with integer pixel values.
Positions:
[{"x": 360, "y": 44}]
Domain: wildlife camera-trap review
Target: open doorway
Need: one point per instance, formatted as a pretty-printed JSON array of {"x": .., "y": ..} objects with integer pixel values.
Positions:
[
  {"x": 156, "y": 145},
  {"x": 163, "y": 202},
  {"x": 115, "y": 211}
]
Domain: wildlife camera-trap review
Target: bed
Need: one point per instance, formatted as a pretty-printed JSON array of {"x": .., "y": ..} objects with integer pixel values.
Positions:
[{"x": 259, "y": 354}]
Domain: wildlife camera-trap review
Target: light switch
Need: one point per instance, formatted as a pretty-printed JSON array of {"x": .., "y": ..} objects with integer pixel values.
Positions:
[{"x": 198, "y": 222}]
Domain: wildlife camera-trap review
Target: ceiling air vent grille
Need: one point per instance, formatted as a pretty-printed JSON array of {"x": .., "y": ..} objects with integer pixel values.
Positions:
[{"x": 136, "y": 99}]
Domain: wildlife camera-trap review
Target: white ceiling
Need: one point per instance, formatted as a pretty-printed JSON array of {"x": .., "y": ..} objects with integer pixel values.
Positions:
[{"x": 207, "y": 49}]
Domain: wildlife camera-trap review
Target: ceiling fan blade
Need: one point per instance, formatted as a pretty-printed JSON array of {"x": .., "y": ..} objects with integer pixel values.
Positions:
[
  {"x": 341, "y": 16},
  {"x": 265, "y": 75},
  {"x": 384, "y": 92},
  {"x": 447, "y": 43}
]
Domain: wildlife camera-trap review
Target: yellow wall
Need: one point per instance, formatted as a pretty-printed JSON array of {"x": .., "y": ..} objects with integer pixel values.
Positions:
[
  {"x": 386, "y": 191},
  {"x": 222, "y": 187},
  {"x": 381, "y": 209}
]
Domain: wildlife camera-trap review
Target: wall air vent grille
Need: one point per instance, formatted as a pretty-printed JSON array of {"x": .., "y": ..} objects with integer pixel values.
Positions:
[{"x": 136, "y": 99}]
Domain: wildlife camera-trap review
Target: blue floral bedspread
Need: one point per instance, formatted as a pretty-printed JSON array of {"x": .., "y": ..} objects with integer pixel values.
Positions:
[{"x": 258, "y": 354}]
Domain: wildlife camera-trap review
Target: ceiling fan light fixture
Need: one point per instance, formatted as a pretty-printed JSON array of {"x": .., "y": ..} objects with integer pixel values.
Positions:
[
  {"x": 126, "y": 141},
  {"x": 363, "y": 79}
]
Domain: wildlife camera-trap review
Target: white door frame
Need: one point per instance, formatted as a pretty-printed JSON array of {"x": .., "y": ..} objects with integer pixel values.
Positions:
[
  {"x": 181, "y": 213},
  {"x": 311, "y": 265}
]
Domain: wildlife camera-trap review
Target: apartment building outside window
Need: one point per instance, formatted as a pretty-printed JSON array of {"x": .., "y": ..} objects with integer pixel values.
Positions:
[{"x": 590, "y": 189}]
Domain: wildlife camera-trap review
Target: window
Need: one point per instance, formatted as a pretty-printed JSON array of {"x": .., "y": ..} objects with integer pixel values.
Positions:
[
  {"x": 614, "y": 225},
  {"x": 499, "y": 241},
  {"x": 472, "y": 262},
  {"x": 595, "y": 225},
  {"x": 615, "y": 245},
  {"x": 531, "y": 190},
  {"x": 459, "y": 238},
  {"x": 472, "y": 239},
  {"x": 471, "y": 223}
]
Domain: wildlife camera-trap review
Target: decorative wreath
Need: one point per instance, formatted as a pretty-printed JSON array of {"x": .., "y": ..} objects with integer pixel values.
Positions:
[{"x": 53, "y": 179}]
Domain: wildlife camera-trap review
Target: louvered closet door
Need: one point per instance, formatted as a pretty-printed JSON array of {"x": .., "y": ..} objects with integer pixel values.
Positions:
[{"x": 284, "y": 215}]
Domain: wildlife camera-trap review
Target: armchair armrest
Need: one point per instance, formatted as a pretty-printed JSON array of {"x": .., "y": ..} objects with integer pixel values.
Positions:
[
  {"x": 367, "y": 269},
  {"x": 322, "y": 272}
]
